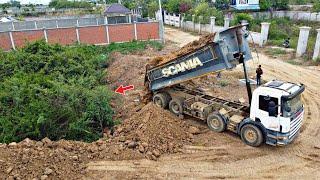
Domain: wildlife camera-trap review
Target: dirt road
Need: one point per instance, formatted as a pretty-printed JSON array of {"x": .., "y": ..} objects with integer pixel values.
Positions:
[{"x": 224, "y": 155}]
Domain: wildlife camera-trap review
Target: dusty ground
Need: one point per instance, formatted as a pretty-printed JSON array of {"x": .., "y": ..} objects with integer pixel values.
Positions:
[
  {"x": 220, "y": 156},
  {"x": 154, "y": 144}
]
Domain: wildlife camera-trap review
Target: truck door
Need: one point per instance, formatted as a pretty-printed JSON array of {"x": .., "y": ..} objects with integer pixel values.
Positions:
[{"x": 268, "y": 112}]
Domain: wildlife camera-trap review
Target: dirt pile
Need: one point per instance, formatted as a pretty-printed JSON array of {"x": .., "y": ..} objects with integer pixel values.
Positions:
[
  {"x": 190, "y": 47},
  {"x": 149, "y": 133},
  {"x": 153, "y": 131}
]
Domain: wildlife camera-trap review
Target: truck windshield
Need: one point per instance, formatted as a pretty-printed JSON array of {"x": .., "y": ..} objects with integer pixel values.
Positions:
[{"x": 292, "y": 106}]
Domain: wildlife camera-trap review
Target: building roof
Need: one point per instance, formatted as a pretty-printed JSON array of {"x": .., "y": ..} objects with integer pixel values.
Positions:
[{"x": 116, "y": 9}]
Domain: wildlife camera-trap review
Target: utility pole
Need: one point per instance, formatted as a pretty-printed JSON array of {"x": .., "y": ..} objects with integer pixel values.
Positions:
[{"x": 161, "y": 22}]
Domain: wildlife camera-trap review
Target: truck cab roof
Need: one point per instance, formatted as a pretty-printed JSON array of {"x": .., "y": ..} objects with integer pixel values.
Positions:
[{"x": 281, "y": 89}]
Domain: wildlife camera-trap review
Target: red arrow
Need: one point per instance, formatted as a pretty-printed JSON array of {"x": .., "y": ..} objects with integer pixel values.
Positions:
[{"x": 122, "y": 90}]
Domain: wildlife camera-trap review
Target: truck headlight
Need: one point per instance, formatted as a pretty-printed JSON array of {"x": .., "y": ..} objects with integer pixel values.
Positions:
[{"x": 282, "y": 137}]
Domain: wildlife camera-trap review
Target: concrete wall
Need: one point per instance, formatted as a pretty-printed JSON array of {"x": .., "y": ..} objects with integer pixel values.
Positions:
[
  {"x": 295, "y": 15},
  {"x": 51, "y": 23},
  {"x": 101, "y": 34}
]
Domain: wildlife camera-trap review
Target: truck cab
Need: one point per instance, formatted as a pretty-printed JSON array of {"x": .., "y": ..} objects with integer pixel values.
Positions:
[{"x": 277, "y": 107}]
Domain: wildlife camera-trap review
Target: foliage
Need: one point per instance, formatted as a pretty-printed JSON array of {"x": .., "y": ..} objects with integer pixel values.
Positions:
[
  {"x": 222, "y": 4},
  {"x": 280, "y": 4},
  {"x": 56, "y": 92},
  {"x": 173, "y": 6},
  {"x": 152, "y": 8},
  {"x": 203, "y": 9},
  {"x": 185, "y": 6},
  {"x": 242, "y": 16},
  {"x": 265, "y": 4},
  {"x": 12, "y": 3},
  {"x": 316, "y": 7},
  {"x": 59, "y": 4}
]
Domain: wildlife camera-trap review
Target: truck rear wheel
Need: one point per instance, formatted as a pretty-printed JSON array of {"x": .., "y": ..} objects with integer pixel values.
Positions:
[
  {"x": 161, "y": 100},
  {"x": 216, "y": 123},
  {"x": 251, "y": 135},
  {"x": 176, "y": 106}
]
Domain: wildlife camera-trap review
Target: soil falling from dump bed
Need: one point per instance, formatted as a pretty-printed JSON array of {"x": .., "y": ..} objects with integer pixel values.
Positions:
[{"x": 188, "y": 48}]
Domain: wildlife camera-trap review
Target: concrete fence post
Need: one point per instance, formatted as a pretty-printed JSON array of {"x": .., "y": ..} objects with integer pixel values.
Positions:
[
  {"x": 212, "y": 23},
  {"x": 12, "y": 41},
  {"x": 303, "y": 40},
  {"x": 77, "y": 22},
  {"x": 200, "y": 21},
  {"x": 45, "y": 34},
  {"x": 193, "y": 22},
  {"x": 107, "y": 34},
  {"x": 135, "y": 30},
  {"x": 183, "y": 17},
  {"x": 264, "y": 33},
  {"x": 244, "y": 23},
  {"x": 35, "y": 25},
  {"x": 106, "y": 20},
  {"x": 179, "y": 16},
  {"x": 226, "y": 22},
  {"x": 12, "y": 25},
  {"x": 173, "y": 19},
  {"x": 317, "y": 47},
  {"x": 57, "y": 25},
  {"x": 78, "y": 34},
  {"x": 97, "y": 21}
]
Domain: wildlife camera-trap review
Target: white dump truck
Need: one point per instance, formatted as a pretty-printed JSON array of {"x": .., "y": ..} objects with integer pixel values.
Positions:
[{"x": 273, "y": 116}]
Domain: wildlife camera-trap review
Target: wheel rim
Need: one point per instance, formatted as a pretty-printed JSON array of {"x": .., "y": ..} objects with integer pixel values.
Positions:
[
  {"x": 250, "y": 135},
  {"x": 175, "y": 108},
  {"x": 158, "y": 102},
  {"x": 215, "y": 123}
]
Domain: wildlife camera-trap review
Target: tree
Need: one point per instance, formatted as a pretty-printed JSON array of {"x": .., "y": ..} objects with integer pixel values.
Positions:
[
  {"x": 265, "y": 4},
  {"x": 173, "y": 6},
  {"x": 152, "y": 8},
  {"x": 185, "y": 6},
  {"x": 280, "y": 4},
  {"x": 222, "y": 4},
  {"x": 316, "y": 7}
]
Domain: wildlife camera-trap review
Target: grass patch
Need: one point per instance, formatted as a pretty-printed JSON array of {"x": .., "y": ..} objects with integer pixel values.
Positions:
[
  {"x": 223, "y": 83},
  {"x": 275, "y": 52},
  {"x": 293, "y": 62},
  {"x": 57, "y": 92}
]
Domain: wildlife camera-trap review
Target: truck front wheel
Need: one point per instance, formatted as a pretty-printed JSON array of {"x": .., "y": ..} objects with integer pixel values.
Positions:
[
  {"x": 216, "y": 123},
  {"x": 251, "y": 135},
  {"x": 161, "y": 100}
]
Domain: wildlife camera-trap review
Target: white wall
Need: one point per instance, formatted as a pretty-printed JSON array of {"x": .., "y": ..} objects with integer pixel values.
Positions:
[{"x": 295, "y": 15}]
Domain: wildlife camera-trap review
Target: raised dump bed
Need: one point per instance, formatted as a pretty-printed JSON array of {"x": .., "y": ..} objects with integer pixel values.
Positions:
[{"x": 218, "y": 53}]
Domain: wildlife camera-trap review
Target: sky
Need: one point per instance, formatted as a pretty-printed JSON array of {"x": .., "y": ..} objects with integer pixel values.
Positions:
[{"x": 29, "y": 1}]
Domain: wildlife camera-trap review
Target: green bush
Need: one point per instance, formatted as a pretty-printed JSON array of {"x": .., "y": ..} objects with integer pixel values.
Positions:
[
  {"x": 56, "y": 92},
  {"x": 203, "y": 9},
  {"x": 242, "y": 16},
  {"x": 264, "y": 4}
]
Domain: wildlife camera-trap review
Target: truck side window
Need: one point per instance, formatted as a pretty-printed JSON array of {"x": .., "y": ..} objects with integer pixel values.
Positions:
[{"x": 264, "y": 103}]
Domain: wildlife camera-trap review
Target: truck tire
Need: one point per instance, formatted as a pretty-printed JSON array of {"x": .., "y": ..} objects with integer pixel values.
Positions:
[
  {"x": 161, "y": 100},
  {"x": 216, "y": 123},
  {"x": 251, "y": 135},
  {"x": 176, "y": 106}
]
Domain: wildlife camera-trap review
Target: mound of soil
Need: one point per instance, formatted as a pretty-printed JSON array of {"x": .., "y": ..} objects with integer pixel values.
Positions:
[
  {"x": 149, "y": 133},
  {"x": 188, "y": 48},
  {"x": 153, "y": 131}
]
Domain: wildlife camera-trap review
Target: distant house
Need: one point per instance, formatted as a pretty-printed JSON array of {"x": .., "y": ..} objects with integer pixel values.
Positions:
[
  {"x": 245, "y": 4},
  {"x": 117, "y": 13}
]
